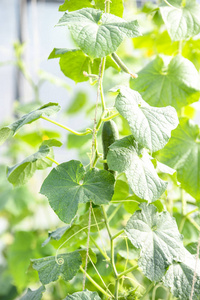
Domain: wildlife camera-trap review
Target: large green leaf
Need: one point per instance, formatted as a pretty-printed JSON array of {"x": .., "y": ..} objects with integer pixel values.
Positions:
[
  {"x": 150, "y": 126},
  {"x": 47, "y": 110},
  {"x": 20, "y": 173},
  {"x": 179, "y": 278},
  {"x": 116, "y": 6},
  {"x": 73, "y": 62},
  {"x": 183, "y": 154},
  {"x": 84, "y": 295},
  {"x": 98, "y": 34},
  {"x": 126, "y": 156},
  {"x": 159, "y": 239},
  {"x": 167, "y": 81},
  {"x": 34, "y": 295},
  {"x": 182, "y": 21},
  {"x": 50, "y": 268},
  {"x": 69, "y": 184}
]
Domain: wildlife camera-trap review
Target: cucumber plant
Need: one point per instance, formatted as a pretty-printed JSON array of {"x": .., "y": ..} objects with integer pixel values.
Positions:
[{"x": 119, "y": 209}]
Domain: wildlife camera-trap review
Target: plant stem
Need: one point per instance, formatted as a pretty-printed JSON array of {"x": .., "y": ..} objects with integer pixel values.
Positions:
[
  {"x": 99, "y": 248},
  {"x": 148, "y": 290},
  {"x": 110, "y": 117},
  {"x": 101, "y": 84},
  {"x": 112, "y": 250},
  {"x": 116, "y": 289},
  {"x": 100, "y": 276},
  {"x": 94, "y": 283},
  {"x": 67, "y": 128},
  {"x": 114, "y": 212},
  {"x": 185, "y": 217},
  {"x": 184, "y": 203},
  {"x": 194, "y": 223},
  {"x": 117, "y": 234},
  {"x": 127, "y": 271},
  {"x": 55, "y": 162}
]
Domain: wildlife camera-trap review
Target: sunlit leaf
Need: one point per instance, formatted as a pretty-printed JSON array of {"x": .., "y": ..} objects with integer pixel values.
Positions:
[
  {"x": 98, "y": 34},
  {"x": 182, "y": 153},
  {"x": 179, "y": 277},
  {"x": 150, "y": 126},
  {"x": 182, "y": 21},
  {"x": 73, "y": 62},
  {"x": 20, "y": 173},
  {"x": 45, "y": 110},
  {"x": 157, "y": 235},
  {"x": 126, "y": 156},
  {"x": 167, "y": 81}
]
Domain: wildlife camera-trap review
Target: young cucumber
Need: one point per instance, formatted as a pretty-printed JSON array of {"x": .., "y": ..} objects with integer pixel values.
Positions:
[{"x": 109, "y": 135}]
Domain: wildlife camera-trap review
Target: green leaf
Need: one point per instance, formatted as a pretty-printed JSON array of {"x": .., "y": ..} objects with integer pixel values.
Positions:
[
  {"x": 56, "y": 234},
  {"x": 72, "y": 5},
  {"x": 183, "y": 154},
  {"x": 150, "y": 126},
  {"x": 73, "y": 62},
  {"x": 165, "y": 82},
  {"x": 20, "y": 173},
  {"x": 78, "y": 103},
  {"x": 35, "y": 138},
  {"x": 74, "y": 141},
  {"x": 84, "y": 295},
  {"x": 126, "y": 156},
  {"x": 116, "y": 6},
  {"x": 50, "y": 268},
  {"x": 179, "y": 277},
  {"x": 96, "y": 33},
  {"x": 159, "y": 239},
  {"x": 69, "y": 184},
  {"x": 121, "y": 191},
  {"x": 19, "y": 255},
  {"x": 192, "y": 248},
  {"x": 182, "y": 21},
  {"x": 47, "y": 110},
  {"x": 34, "y": 295}
]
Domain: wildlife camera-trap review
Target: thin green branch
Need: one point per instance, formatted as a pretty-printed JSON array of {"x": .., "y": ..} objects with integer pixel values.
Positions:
[
  {"x": 102, "y": 243},
  {"x": 147, "y": 290},
  {"x": 94, "y": 283},
  {"x": 117, "y": 234},
  {"x": 114, "y": 212},
  {"x": 127, "y": 271},
  {"x": 100, "y": 276},
  {"x": 111, "y": 242},
  {"x": 101, "y": 84},
  {"x": 99, "y": 248},
  {"x": 111, "y": 117},
  {"x": 169, "y": 4},
  {"x": 67, "y": 128},
  {"x": 51, "y": 159},
  {"x": 194, "y": 223}
]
